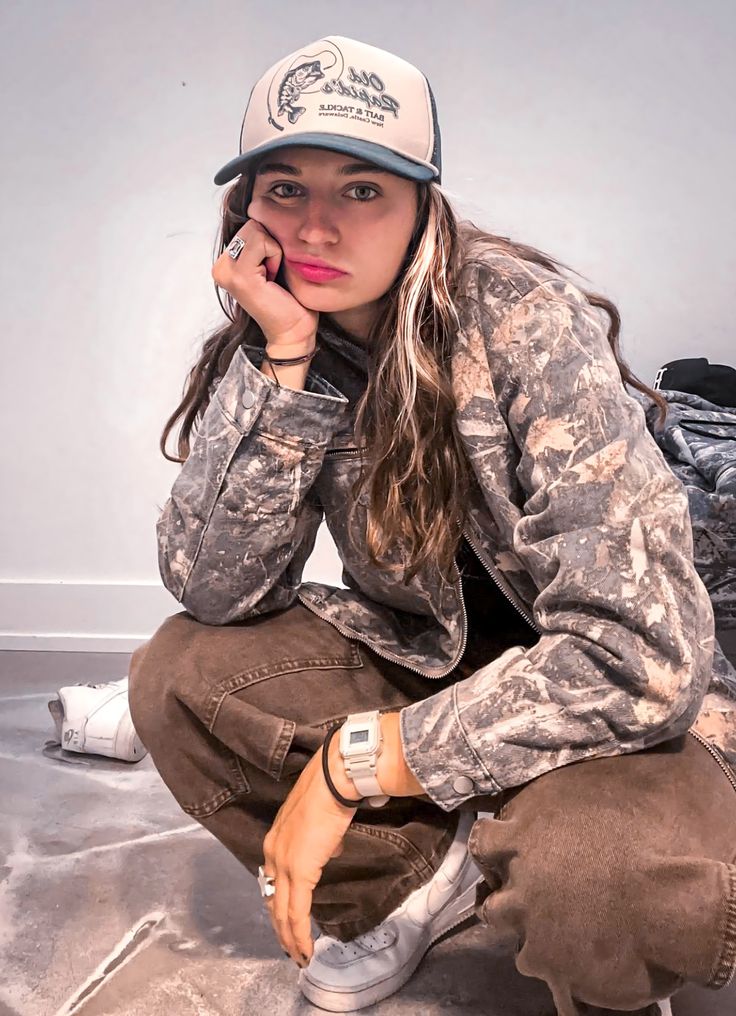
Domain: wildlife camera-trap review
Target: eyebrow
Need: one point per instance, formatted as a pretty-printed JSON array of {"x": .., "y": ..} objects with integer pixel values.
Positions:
[{"x": 349, "y": 169}]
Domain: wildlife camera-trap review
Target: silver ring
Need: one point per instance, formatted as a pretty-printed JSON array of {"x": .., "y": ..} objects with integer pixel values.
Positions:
[
  {"x": 266, "y": 883},
  {"x": 235, "y": 247}
]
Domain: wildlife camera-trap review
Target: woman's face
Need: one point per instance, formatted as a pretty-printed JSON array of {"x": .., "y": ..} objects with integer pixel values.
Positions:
[{"x": 320, "y": 204}]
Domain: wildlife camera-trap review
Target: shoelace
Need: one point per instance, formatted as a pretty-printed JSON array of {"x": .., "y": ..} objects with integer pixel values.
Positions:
[
  {"x": 437, "y": 891},
  {"x": 375, "y": 939},
  {"x": 371, "y": 941}
]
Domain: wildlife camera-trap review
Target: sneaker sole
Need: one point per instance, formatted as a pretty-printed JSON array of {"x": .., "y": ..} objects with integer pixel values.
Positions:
[{"x": 334, "y": 1000}]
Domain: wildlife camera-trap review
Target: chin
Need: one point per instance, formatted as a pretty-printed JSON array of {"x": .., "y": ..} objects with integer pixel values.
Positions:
[{"x": 322, "y": 301}]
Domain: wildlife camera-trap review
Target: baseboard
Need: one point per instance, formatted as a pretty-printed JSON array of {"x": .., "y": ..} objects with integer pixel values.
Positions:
[{"x": 109, "y": 617}]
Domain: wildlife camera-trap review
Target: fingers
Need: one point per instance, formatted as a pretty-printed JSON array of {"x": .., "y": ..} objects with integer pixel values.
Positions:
[
  {"x": 300, "y": 907},
  {"x": 285, "y": 918},
  {"x": 259, "y": 242},
  {"x": 260, "y": 246},
  {"x": 284, "y": 907}
]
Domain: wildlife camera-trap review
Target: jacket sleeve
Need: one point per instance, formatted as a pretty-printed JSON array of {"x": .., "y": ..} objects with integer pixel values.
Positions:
[
  {"x": 239, "y": 525},
  {"x": 627, "y": 632}
]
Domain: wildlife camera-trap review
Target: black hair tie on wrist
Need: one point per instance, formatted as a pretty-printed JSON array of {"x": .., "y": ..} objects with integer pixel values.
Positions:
[{"x": 328, "y": 779}]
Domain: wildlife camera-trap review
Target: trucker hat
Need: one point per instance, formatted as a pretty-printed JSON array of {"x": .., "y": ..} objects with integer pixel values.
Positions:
[{"x": 345, "y": 95}]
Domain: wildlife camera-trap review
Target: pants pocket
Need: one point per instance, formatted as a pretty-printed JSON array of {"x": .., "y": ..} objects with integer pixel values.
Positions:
[
  {"x": 217, "y": 706},
  {"x": 258, "y": 713},
  {"x": 260, "y": 738}
]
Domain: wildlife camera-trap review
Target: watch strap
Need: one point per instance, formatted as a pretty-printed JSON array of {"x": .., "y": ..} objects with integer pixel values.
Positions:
[
  {"x": 365, "y": 783},
  {"x": 363, "y": 772}
]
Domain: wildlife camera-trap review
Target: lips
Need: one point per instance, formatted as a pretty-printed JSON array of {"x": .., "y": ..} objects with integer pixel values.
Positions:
[
  {"x": 317, "y": 262},
  {"x": 315, "y": 273}
]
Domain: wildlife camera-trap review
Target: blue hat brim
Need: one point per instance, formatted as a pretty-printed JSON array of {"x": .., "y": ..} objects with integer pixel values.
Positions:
[{"x": 367, "y": 150}]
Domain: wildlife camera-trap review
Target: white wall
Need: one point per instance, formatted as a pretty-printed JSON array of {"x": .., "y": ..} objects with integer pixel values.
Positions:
[{"x": 600, "y": 132}]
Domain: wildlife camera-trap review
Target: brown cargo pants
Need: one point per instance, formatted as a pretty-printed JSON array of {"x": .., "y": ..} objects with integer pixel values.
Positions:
[{"x": 613, "y": 879}]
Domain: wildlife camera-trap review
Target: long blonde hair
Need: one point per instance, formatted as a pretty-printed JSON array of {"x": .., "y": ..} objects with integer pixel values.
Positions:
[{"x": 418, "y": 477}]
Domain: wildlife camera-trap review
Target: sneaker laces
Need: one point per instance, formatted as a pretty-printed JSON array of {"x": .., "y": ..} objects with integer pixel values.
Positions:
[
  {"x": 370, "y": 941},
  {"x": 385, "y": 934}
]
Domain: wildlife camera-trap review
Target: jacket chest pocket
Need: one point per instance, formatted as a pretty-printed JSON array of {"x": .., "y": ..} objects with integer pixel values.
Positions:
[
  {"x": 339, "y": 454},
  {"x": 341, "y": 468},
  {"x": 340, "y": 471}
]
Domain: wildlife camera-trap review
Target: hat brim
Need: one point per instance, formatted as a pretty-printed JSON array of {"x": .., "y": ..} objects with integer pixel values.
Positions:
[{"x": 368, "y": 150}]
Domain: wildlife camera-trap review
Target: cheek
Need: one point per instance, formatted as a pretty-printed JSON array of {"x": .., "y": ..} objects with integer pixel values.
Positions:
[
  {"x": 268, "y": 215},
  {"x": 393, "y": 230},
  {"x": 392, "y": 239}
]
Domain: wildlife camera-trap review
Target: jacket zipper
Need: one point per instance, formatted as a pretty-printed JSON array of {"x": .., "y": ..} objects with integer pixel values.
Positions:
[
  {"x": 351, "y": 633},
  {"x": 498, "y": 581},
  {"x": 727, "y": 769},
  {"x": 344, "y": 453}
]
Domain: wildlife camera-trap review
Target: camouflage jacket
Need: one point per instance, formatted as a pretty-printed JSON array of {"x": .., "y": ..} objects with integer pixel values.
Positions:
[
  {"x": 698, "y": 441},
  {"x": 573, "y": 511}
]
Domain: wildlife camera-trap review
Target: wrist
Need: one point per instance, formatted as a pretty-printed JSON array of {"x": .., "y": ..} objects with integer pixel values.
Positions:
[
  {"x": 392, "y": 770},
  {"x": 290, "y": 343}
]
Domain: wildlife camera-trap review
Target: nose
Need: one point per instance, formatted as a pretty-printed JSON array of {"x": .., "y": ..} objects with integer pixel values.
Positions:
[{"x": 318, "y": 224}]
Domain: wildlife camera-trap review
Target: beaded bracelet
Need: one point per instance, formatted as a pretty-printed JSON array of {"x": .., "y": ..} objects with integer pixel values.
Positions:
[{"x": 328, "y": 779}]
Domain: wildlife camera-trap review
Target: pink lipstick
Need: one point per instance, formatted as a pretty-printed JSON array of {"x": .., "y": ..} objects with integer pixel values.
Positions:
[{"x": 315, "y": 273}]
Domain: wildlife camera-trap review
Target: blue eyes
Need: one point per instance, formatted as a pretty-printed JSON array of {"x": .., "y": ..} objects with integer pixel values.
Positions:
[{"x": 357, "y": 186}]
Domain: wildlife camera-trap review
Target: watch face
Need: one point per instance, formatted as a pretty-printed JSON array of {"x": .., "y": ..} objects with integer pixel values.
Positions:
[{"x": 358, "y": 739}]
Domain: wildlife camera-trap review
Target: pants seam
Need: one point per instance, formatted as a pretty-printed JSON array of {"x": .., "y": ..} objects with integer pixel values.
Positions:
[
  {"x": 419, "y": 864},
  {"x": 725, "y": 966},
  {"x": 214, "y": 803},
  {"x": 282, "y": 746},
  {"x": 423, "y": 866},
  {"x": 347, "y": 930}
]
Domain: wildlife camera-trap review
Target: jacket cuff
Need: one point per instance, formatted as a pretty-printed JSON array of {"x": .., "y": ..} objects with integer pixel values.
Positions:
[
  {"x": 451, "y": 773},
  {"x": 252, "y": 400}
]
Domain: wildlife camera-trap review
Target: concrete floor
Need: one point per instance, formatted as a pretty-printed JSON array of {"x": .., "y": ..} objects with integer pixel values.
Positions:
[{"x": 112, "y": 903}]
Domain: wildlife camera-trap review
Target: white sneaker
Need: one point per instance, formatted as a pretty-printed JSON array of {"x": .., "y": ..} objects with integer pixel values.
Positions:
[
  {"x": 95, "y": 719},
  {"x": 345, "y": 976}
]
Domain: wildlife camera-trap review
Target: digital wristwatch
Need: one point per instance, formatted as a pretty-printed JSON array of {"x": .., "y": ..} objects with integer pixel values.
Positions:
[{"x": 360, "y": 745}]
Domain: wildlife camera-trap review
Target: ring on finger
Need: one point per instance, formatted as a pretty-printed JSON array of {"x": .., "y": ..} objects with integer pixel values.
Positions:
[
  {"x": 235, "y": 247},
  {"x": 266, "y": 883}
]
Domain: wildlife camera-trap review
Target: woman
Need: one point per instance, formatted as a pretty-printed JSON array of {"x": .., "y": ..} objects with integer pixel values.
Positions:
[{"x": 521, "y": 632}]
